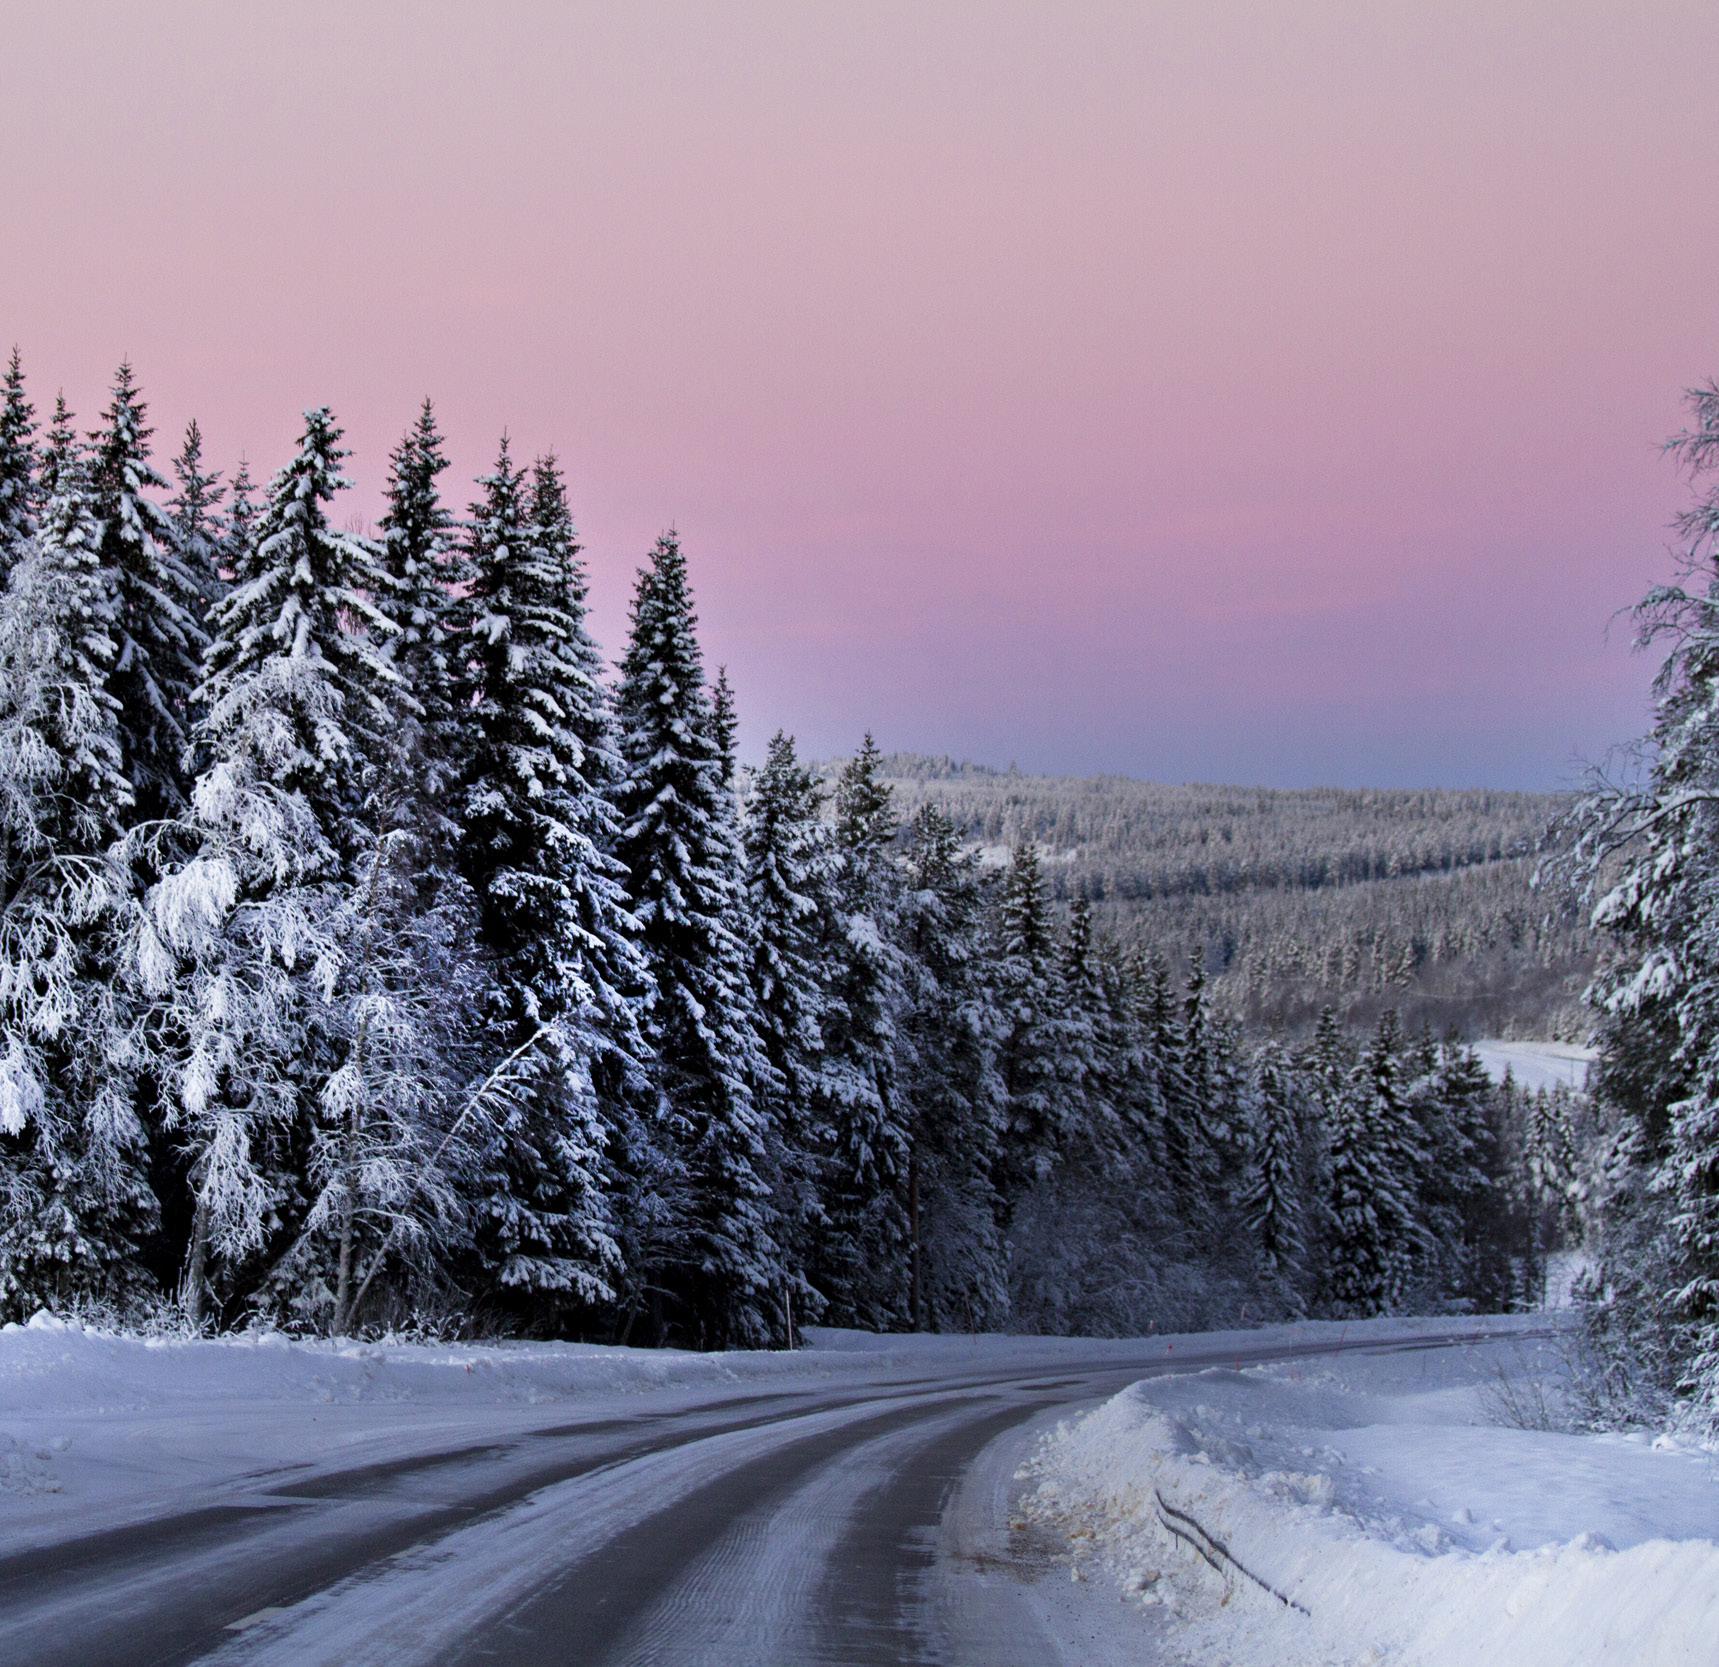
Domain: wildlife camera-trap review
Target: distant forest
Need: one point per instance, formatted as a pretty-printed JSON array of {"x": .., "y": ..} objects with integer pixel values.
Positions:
[{"x": 1362, "y": 899}]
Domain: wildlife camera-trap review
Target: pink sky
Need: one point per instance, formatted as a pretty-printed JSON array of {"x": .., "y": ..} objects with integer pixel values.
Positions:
[{"x": 1262, "y": 392}]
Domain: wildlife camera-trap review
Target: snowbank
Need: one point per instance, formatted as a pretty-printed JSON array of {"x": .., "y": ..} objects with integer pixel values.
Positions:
[{"x": 1367, "y": 1513}]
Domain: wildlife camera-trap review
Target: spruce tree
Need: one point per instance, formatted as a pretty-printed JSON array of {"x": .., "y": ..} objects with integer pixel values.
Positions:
[
  {"x": 1086, "y": 1065},
  {"x": 536, "y": 815},
  {"x": 302, "y": 616},
  {"x": 59, "y": 450},
  {"x": 17, "y": 465},
  {"x": 421, "y": 551},
  {"x": 724, "y": 1276},
  {"x": 1037, "y": 1110},
  {"x": 1273, "y": 1201},
  {"x": 949, "y": 1083},
  {"x": 162, "y": 598},
  {"x": 790, "y": 895},
  {"x": 1374, "y": 1237},
  {"x": 861, "y": 1263},
  {"x": 195, "y": 509},
  {"x": 75, "y": 1202}
]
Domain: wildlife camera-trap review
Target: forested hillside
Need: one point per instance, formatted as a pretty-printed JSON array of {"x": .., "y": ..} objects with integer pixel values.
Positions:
[{"x": 1420, "y": 900}]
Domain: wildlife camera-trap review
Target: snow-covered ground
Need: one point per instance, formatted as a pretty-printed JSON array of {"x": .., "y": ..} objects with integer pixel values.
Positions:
[
  {"x": 1538, "y": 1064},
  {"x": 97, "y": 1428},
  {"x": 1376, "y": 1492},
  {"x": 1368, "y": 1508}
]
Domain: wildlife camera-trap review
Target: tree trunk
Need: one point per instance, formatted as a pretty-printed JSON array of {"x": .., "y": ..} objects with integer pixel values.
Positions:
[
  {"x": 197, "y": 1268},
  {"x": 348, "y": 1201},
  {"x": 914, "y": 1301}
]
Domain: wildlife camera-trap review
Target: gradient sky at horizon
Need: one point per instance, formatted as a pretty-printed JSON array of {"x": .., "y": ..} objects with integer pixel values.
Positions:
[{"x": 1232, "y": 391}]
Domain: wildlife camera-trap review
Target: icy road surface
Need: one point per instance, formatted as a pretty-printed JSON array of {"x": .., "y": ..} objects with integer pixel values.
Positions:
[{"x": 848, "y": 1504}]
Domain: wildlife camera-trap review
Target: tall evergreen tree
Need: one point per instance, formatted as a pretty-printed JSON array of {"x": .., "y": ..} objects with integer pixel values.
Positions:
[
  {"x": 1273, "y": 1200},
  {"x": 162, "y": 599},
  {"x": 1037, "y": 1114},
  {"x": 790, "y": 895},
  {"x": 301, "y": 616},
  {"x": 195, "y": 509},
  {"x": 75, "y": 1203},
  {"x": 679, "y": 849},
  {"x": 861, "y": 1265},
  {"x": 17, "y": 464},
  {"x": 949, "y": 1083},
  {"x": 537, "y": 820},
  {"x": 59, "y": 450},
  {"x": 1374, "y": 1234},
  {"x": 421, "y": 550}
]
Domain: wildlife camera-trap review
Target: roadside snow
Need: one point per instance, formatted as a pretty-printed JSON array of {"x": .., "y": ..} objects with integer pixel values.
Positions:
[{"x": 1366, "y": 1510}]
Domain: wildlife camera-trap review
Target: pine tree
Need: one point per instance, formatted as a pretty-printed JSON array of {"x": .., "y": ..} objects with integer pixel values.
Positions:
[
  {"x": 238, "y": 535},
  {"x": 790, "y": 894},
  {"x": 61, "y": 448},
  {"x": 1649, "y": 842},
  {"x": 949, "y": 1082},
  {"x": 1182, "y": 1044},
  {"x": 162, "y": 597},
  {"x": 679, "y": 848},
  {"x": 537, "y": 819},
  {"x": 1273, "y": 1201},
  {"x": 301, "y": 615},
  {"x": 75, "y": 1202},
  {"x": 420, "y": 549},
  {"x": 1037, "y": 1114},
  {"x": 1473, "y": 1194},
  {"x": 1085, "y": 1065},
  {"x": 196, "y": 519},
  {"x": 1374, "y": 1236},
  {"x": 17, "y": 465},
  {"x": 862, "y": 1260}
]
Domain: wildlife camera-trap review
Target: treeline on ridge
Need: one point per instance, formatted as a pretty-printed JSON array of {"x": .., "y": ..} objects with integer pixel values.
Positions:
[{"x": 1421, "y": 900}]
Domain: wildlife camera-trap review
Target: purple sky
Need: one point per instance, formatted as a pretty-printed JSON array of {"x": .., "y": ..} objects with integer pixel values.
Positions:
[{"x": 1245, "y": 392}]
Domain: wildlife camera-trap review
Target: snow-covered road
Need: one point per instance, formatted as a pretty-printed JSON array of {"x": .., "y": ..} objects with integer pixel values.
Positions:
[{"x": 849, "y": 1507}]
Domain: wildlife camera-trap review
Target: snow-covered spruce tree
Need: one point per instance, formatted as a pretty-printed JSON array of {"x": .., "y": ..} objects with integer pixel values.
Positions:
[
  {"x": 421, "y": 550},
  {"x": 1645, "y": 848},
  {"x": 76, "y": 1204},
  {"x": 162, "y": 599},
  {"x": 958, "y": 1274},
  {"x": 1374, "y": 1238},
  {"x": 1086, "y": 1066},
  {"x": 241, "y": 947},
  {"x": 862, "y": 1256},
  {"x": 1273, "y": 1200},
  {"x": 238, "y": 533},
  {"x": 535, "y": 811},
  {"x": 1473, "y": 1195},
  {"x": 307, "y": 590},
  {"x": 1181, "y": 1046},
  {"x": 1037, "y": 1109},
  {"x": 195, "y": 509},
  {"x": 17, "y": 465},
  {"x": 790, "y": 896},
  {"x": 721, "y": 1274},
  {"x": 60, "y": 448}
]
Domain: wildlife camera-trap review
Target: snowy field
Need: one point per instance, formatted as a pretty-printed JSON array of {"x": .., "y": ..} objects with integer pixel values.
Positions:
[
  {"x": 1366, "y": 1508},
  {"x": 1538, "y": 1064}
]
